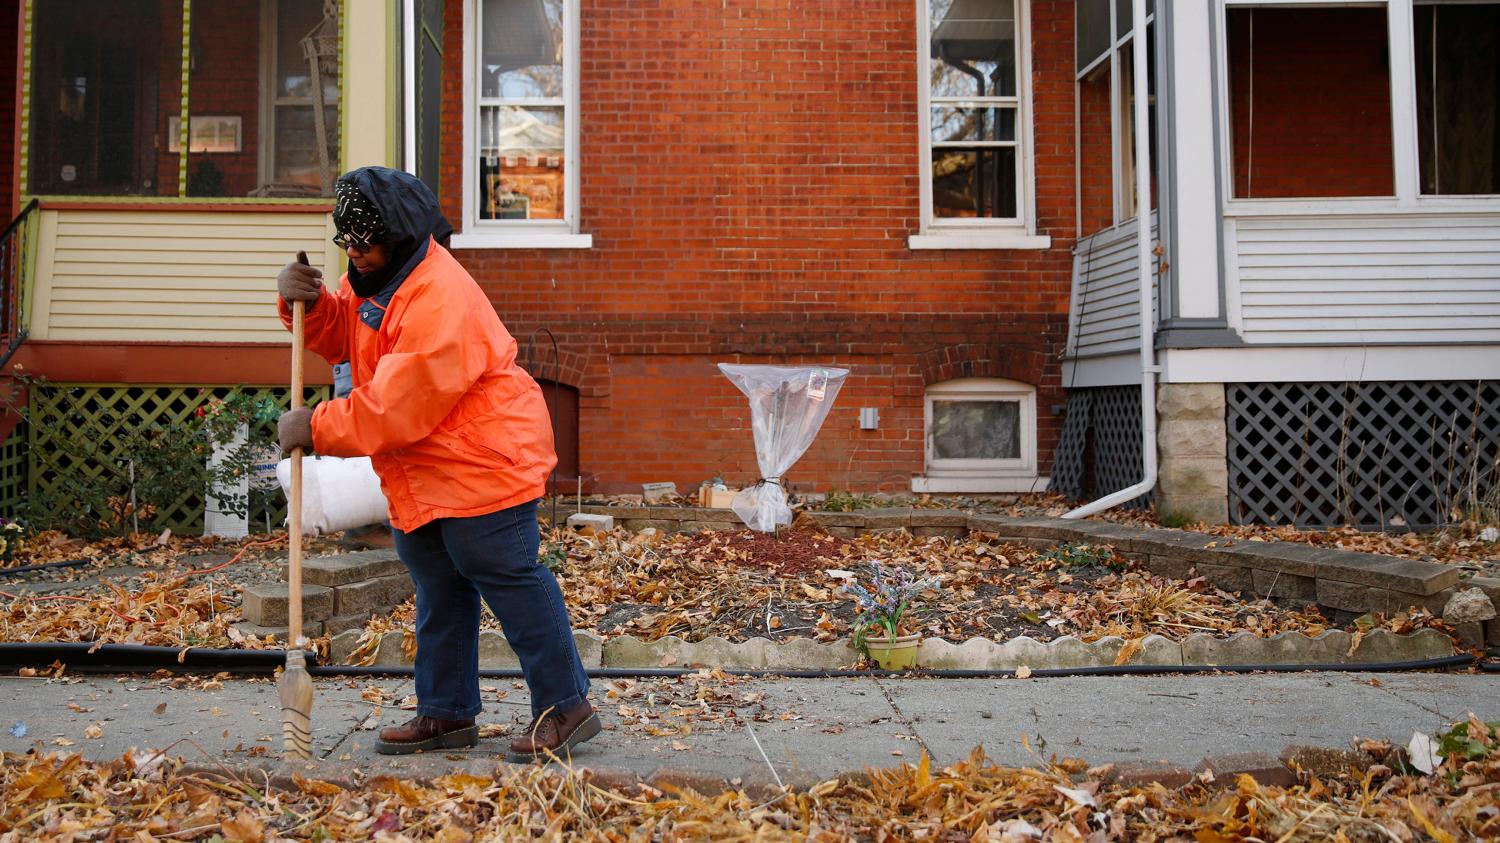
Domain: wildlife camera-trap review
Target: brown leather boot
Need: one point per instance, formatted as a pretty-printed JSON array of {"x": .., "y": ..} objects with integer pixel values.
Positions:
[
  {"x": 554, "y": 732},
  {"x": 424, "y": 733}
]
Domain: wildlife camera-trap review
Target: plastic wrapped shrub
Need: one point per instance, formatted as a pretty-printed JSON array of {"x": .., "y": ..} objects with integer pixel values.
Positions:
[{"x": 787, "y": 407}]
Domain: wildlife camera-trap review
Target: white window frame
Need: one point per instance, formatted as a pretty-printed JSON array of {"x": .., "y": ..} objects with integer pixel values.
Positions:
[
  {"x": 1400, "y": 16},
  {"x": 270, "y": 28},
  {"x": 940, "y": 233},
  {"x": 1121, "y": 118},
  {"x": 964, "y": 475},
  {"x": 520, "y": 234}
]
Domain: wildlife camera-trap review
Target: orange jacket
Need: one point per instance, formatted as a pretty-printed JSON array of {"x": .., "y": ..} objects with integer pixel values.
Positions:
[{"x": 452, "y": 425}]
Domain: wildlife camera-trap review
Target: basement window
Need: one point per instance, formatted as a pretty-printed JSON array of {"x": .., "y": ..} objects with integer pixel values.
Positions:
[
  {"x": 980, "y": 436},
  {"x": 1310, "y": 101},
  {"x": 1457, "y": 58}
]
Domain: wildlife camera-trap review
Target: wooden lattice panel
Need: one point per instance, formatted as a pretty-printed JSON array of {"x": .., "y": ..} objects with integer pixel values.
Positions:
[
  {"x": 77, "y": 442},
  {"x": 1072, "y": 446},
  {"x": 13, "y": 473},
  {"x": 1100, "y": 448},
  {"x": 1379, "y": 455}
]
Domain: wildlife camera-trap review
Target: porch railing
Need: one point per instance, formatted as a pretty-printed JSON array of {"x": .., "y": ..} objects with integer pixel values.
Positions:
[{"x": 13, "y": 266}]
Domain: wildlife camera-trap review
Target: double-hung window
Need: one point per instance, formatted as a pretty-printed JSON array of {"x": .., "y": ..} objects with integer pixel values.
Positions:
[
  {"x": 520, "y": 169},
  {"x": 976, "y": 156}
]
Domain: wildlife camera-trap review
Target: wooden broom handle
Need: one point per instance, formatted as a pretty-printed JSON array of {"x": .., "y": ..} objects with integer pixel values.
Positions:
[{"x": 294, "y": 503}]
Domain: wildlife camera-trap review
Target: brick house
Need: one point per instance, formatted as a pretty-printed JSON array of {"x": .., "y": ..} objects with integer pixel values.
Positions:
[{"x": 936, "y": 194}]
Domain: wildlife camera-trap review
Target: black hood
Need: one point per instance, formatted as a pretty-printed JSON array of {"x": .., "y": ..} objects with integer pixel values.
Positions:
[{"x": 410, "y": 213}]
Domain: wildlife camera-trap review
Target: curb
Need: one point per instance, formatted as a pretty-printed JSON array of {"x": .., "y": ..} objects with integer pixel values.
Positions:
[{"x": 1293, "y": 765}]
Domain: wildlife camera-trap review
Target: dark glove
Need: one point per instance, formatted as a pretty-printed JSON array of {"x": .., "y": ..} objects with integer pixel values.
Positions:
[
  {"x": 299, "y": 282},
  {"x": 295, "y": 430}
]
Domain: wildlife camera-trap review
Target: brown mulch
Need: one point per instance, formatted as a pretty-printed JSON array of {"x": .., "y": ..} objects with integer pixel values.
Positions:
[{"x": 786, "y": 553}]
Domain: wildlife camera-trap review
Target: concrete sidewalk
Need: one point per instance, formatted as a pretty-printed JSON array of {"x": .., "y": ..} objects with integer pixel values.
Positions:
[{"x": 810, "y": 729}]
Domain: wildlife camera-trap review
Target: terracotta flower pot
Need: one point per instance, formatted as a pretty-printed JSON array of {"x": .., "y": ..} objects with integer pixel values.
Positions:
[{"x": 897, "y": 653}]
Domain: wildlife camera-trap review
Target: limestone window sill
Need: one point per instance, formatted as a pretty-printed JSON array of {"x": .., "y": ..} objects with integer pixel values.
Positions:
[{"x": 938, "y": 484}]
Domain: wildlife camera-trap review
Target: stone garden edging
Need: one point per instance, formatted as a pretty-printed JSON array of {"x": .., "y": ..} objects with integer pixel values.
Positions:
[
  {"x": 1242, "y": 649},
  {"x": 1344, "y": 583}
]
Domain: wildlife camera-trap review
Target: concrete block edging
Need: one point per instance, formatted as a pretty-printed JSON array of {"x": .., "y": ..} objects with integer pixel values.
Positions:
[{"x": 1240, "y": 650}]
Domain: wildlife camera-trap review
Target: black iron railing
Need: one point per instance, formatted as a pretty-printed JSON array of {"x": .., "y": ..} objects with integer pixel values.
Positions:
[{"x": 13, "y": 265}]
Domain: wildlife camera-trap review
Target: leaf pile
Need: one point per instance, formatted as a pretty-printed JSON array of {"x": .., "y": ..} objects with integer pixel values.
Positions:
[
  {"x": 166, "y": 612},
  {"x": 146, "y": 797},
  {"x": 1461, "y": 545},
  {"x": 1457, "y": 544},
  {"x": 715, "y": 584}
]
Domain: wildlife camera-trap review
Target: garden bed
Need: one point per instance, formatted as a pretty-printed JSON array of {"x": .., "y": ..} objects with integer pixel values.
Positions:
[{"x": 650, "y": 595}]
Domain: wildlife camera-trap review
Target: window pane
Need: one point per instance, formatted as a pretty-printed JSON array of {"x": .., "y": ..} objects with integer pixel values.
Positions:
[
  {"x": 956, "y": 123},
  {"x": 1458, "y": 95},
  {"x": 105, "y": 76},
  {"x": 298, "y": 168},
  {"x": 1123, "y": 19},
  {"x": 1310, "y": 96},
  {"x": 521, "y": 54},
  {"x": 521, "y": 163},
  {"x": 973, "y": 48},
  {"x": 1092, "y": 30},
  {"x": 299, "y": 27},
  {"x": 976, "y": 430},
  {"x": 974, "y": 182}
]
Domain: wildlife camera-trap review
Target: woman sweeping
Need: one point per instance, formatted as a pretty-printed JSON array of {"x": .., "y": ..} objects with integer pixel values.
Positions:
[{"x": 461, "y": 440}]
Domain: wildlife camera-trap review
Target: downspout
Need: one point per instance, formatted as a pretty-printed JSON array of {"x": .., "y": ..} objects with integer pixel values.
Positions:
[{"x": 1149, "y": 368}]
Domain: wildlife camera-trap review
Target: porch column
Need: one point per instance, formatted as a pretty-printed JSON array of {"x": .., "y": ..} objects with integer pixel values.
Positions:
[
  {"x": 1194, "y": 313},
  {"x": 372, "y": 53}
]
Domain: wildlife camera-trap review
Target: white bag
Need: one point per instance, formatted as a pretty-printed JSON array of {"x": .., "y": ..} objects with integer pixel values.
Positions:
[
  {"x": 337, "y": 494},
  {"x": 787, "y": 407}
]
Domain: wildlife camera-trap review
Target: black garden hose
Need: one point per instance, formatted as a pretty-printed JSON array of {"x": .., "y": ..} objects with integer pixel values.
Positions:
[
  {"x": 45, "y": 566},
  {"x": 135, "y": 658}
]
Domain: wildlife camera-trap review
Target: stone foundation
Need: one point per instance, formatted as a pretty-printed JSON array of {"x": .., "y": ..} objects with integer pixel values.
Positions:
[{"x": 1193, "y": 481}]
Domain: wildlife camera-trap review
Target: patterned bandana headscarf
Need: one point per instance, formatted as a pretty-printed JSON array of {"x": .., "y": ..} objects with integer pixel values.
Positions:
[{"x": 355, "y": 216}]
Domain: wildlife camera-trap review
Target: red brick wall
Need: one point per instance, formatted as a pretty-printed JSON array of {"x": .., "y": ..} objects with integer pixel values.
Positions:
[
  {"x": 750, "y": 175},
  {"x": 1096, "y": 152},
  {"x": 1322, "y": 114}
]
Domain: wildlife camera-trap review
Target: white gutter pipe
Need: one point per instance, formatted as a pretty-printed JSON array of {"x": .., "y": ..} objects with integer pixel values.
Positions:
[{"x": 1149, "y": 368}]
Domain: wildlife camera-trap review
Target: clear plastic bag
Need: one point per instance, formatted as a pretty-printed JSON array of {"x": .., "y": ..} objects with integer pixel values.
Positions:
[{"x": 787, "y": 407}]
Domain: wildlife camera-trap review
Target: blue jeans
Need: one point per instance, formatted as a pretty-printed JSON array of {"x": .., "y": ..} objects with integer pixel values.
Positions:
[{"x": 453, "y": 562}]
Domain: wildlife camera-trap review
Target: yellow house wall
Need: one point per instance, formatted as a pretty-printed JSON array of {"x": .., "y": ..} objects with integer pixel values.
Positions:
[{"x": 160, "y": 275}]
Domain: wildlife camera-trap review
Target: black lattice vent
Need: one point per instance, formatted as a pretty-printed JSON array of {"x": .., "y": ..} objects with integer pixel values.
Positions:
[
  {"x": 1386, "y": 455},
  {"x": 81, "y": 441},
  {"x": 1068, "y": 474},
  {"x": 13, "y": 473},
  {"x": 1100, "y": 447}
]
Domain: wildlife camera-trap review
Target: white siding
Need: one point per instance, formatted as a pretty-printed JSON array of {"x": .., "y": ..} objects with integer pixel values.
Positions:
[
  {"x": 168, "y": 275},
  {"x": 1369, "y": 279},
  {"x": 1104, "y": 308}
]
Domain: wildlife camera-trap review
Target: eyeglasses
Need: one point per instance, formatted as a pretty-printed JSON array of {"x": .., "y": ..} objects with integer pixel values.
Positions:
[{"x": 345, "y": 241}]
